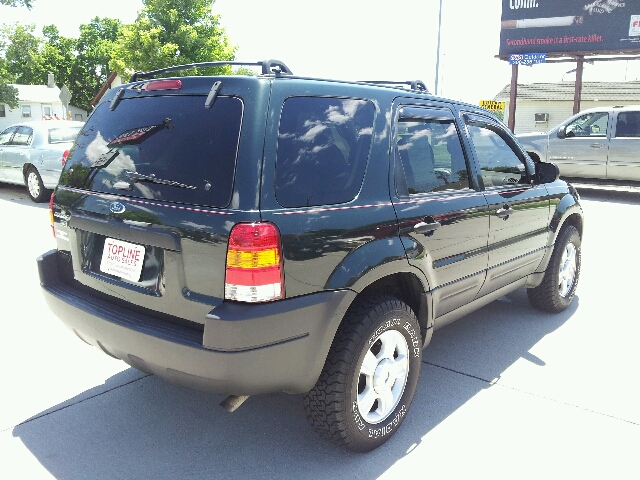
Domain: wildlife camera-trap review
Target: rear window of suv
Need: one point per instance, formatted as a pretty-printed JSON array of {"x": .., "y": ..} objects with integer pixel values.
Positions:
[
  {"x": 164, "y": 148},
  {"x": 323, "y": 146}
]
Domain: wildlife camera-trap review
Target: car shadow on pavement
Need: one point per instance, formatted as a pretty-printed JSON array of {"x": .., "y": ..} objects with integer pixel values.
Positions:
[
  {"x": 145, "y": 428},
  {"x": 618, "y": 196},
  {"x": 18, "y": 194}
]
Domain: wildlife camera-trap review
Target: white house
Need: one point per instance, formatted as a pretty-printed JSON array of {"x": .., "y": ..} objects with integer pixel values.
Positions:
[
  {"x": 38, "y": 102},
  {"x": 542, "y": 106}
]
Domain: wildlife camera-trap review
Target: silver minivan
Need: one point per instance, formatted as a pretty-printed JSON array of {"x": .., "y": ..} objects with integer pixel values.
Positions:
[
  {"x": 33, "y": 153},
  {"x": 599, "y": 143}
]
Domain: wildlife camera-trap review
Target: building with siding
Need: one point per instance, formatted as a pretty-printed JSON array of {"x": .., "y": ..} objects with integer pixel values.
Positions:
[
  {"x": 542, "y": 106},
  {"x": 38, "y": 102}
]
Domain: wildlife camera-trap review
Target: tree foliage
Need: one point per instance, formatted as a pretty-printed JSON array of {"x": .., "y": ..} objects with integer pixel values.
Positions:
[
  {"x": 9, "y": 94},
  {"x": 17, "y": 3},
  {"x": 94, "y": 49},
  {"x": 172, "y": 32},
  {"x": 166, "y": 33}
]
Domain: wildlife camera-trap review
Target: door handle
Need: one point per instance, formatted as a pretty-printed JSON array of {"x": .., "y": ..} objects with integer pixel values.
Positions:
[
  {"x": 504, "y": 212},
  {"x": 424, "y": 227},
  {"x": 597, "y": 145}
]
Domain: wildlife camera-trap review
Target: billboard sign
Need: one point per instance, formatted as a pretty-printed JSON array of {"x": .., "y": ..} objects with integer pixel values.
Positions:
[{"x": 569, "y": 26}]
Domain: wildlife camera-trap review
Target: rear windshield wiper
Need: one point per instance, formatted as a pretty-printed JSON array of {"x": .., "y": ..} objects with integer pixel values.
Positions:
[{"x": 138, "y": 177}]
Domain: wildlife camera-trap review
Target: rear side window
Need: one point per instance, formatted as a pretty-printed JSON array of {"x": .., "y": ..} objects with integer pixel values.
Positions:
[
  {"x": 628, "y": 124},
  {"x": 323, "y": 146},
  {"x": 23, "y": 136},
  {"x": 5, "y": 136},
  {"x": 165, "y": 147}
]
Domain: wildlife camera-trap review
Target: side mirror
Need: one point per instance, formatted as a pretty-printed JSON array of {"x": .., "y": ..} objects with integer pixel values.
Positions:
[
  {"x": 562, "y": 132},
  {"x": 547, "y": 172}
]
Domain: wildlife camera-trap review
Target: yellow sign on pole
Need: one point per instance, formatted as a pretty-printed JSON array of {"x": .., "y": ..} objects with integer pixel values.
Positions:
[{"x": 492, "y": 105}]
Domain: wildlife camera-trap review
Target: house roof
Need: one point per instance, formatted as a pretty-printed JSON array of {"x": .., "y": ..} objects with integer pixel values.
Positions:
[
  {"x": 613, "y": 91},
  {"x": 38, "y": 93}
]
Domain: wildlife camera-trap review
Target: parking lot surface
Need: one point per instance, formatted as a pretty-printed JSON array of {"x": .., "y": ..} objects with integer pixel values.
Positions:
[{"x": 506, "y": 392}]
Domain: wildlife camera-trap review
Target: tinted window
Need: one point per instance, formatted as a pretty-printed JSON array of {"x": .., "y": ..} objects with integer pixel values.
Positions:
[
  {"x": 323, "y": 146},
  {"x": 431, "y": 156},
  {"x": 499, "y": 163},
  {"x": 23, "y": 136},
  {"x": 166, "y": 148},
  {"x": 589, "y": 125},
  {"x": 60, "y": 135},
  {"x": 628, "y": 124}
]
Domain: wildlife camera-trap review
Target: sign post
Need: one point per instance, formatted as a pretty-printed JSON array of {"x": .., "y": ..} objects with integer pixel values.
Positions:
[{"x": 65, "y": 98}]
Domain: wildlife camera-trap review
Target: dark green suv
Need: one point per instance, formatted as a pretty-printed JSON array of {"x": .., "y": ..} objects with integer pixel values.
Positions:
[{"x": 253, "y": 234}]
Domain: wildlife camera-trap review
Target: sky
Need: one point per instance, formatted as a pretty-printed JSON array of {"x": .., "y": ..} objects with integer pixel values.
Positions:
[{"x": 355, "y": 40}]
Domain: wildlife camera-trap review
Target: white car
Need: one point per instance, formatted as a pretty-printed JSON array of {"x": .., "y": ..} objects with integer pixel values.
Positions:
[
  {"x": 599, "y": 143},
  {"x": 33, "y": 153}
]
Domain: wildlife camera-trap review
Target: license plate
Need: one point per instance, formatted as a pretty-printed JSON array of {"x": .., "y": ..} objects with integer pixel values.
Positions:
[{"x": 122, "y": 259}]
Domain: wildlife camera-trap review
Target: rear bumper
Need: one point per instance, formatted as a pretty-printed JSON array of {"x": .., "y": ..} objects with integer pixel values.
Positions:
[{"x": 244, "y": 349}]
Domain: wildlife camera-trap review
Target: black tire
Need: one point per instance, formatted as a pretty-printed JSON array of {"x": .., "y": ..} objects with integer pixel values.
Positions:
[
  {"x": 35, "y": 187},
  {"x": 558, "y": 287},
  {"x": 335, "y": 405}
]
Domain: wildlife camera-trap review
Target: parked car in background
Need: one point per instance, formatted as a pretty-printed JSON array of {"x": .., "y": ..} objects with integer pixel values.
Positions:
[
  {"x": 33, "y": 154},
  {"x": 599, "y": 143}
]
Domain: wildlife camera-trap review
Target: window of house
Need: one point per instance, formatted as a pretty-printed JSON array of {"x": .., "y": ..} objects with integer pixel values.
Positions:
[
  {"x": 2, "y": 110},
  {"x": 46, "y": 110},
  {"x": 26, "y": 111},
  {"x": 78, "y": 117}
]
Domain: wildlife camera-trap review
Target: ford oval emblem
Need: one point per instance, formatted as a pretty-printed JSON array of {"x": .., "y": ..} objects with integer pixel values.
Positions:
[{"x": 117, "y": 207}]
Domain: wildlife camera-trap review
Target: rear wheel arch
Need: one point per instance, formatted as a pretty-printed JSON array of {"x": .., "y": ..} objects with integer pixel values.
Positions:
[{"x": 405, "y": 286}]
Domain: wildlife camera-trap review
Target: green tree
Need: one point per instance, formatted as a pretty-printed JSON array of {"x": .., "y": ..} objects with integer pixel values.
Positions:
[
  {"x": 9, "y": 94},
  {"x": 172, "y": 32},
  {"x": 94, "y": 49},
  {"x": 17, "y": 3},
  {"x": 57, "y": 56},
  {"x": 21, "y": 49}
]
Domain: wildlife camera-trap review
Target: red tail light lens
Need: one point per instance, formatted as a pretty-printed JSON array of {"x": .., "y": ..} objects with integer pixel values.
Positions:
[
  {"x": 51, "y": 217},
  {"x": 163, "y": 85},
  {"x": 65, "y": 155},
  {"x": 254, "y": 270}
]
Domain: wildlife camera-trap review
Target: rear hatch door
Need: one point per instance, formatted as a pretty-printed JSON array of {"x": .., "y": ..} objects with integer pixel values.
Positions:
[{"x": 149, "y": 194}]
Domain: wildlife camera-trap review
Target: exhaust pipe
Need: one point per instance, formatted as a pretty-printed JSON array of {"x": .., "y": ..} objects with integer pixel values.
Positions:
[{"x": 232, "y": 402}]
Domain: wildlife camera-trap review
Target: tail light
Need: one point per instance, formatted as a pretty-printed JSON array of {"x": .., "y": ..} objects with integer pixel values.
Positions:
[
  {"x": 53, "y": 228},
  {"x": 254, "y": 270},
  {"x": 156, "y": 85},
  {"x": 65, "y": 155}
]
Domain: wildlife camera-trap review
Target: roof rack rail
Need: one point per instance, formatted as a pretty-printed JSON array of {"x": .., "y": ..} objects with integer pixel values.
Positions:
[
  {"x": 268, "y": 67},
  {"x": 413, "y": 84}
]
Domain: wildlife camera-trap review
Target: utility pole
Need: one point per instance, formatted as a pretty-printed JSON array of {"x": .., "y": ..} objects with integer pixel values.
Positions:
[{"x": 438, "y": 51}]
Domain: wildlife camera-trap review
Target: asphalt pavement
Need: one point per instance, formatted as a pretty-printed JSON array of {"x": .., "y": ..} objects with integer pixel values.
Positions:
[{"x": 506, "y": 392}]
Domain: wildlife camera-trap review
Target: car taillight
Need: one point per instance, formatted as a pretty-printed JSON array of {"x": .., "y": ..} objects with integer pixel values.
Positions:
[
  {"x": 53, "y": 228},
  {"x": 254, "y": 264},
  {"x": 156, "y": 85},
  {"x": 65, "y": 155}
]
